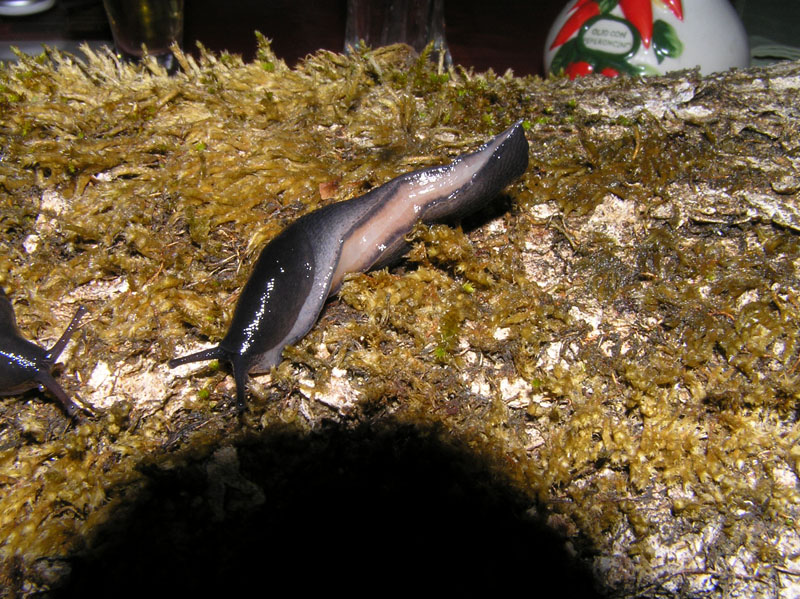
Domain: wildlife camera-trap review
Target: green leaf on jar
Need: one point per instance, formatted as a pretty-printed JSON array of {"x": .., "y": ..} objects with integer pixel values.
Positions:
[{"x": 666, "y": 42}]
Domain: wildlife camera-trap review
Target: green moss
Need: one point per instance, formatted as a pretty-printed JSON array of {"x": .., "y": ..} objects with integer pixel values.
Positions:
[{"x": 688, "y": 381}]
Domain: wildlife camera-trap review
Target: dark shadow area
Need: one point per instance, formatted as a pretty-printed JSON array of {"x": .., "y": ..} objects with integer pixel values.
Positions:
[
  {"x": 499, "y": 205},
  {"x": 366, "y": 511}
]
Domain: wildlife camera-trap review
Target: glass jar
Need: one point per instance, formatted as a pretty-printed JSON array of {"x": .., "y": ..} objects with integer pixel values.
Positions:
[{"x": 645, "y": 37}]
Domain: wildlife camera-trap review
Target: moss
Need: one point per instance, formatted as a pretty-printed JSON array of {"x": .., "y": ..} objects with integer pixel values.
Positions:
[{"x": 599, "y": 367}]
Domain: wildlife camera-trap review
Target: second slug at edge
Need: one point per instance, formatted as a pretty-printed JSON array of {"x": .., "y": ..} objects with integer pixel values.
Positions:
[
  {"x": 23, "y": 364},
  {"x": 306, "y": 262}
]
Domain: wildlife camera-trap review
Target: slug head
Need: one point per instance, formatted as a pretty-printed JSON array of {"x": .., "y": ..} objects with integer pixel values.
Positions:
[
  {"x": 24, "y": 365},
  {"x": 239, "y": 363}
]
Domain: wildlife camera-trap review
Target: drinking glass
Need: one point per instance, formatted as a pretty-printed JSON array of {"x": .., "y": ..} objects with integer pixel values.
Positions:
[
  {"x": 147, "y": 27},
  {"x": 383, "y": 22}
]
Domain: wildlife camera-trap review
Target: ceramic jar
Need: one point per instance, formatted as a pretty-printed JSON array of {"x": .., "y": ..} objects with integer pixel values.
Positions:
[{"x": 645, "y": 37}]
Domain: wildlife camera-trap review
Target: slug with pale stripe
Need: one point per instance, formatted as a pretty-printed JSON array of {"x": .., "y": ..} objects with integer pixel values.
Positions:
[{"x": 306, "y": 262}]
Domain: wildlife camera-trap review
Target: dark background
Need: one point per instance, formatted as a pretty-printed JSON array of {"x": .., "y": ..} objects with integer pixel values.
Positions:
[
  {"x": 500, "y": 34},
  {"x": 482, "y": 34}
]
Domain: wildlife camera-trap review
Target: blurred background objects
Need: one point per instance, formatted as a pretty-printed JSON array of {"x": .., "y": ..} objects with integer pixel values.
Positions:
[
  {"x": 500, "y": 35},
  {"x": 646, "y": 37},
  {"x": 19, "y": 8},
  {"x": 384, "y": 22},
  {"x": 772, "y": 26},
  {"x": 151, "y": 24}
]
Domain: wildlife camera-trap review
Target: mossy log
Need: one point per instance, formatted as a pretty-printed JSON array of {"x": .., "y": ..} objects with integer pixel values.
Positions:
[{"x": 604, "y": 360}]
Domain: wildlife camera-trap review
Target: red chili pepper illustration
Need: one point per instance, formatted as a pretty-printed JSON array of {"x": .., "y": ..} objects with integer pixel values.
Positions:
[
  {"x": 640, "y": 14},
  {"x": 582, "y": 12},
  {"x": 578, "y": 69},
  {"x": 675, "y": 6}
]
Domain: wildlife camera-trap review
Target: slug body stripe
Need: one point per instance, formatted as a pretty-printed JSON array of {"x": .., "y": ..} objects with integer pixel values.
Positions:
[{"x": 306, "y": 262}]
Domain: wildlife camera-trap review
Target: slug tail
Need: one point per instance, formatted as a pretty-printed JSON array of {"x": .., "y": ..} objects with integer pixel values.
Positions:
[{"x": 212, "y": 353}]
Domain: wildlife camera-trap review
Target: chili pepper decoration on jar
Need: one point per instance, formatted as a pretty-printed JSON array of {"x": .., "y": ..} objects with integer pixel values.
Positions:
[{"x": 645, "y": 37}]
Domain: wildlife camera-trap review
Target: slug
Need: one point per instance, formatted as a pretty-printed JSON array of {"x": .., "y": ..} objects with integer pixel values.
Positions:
[
  {"x": 306, "y": 262},
  {"x": 23, "y": 364}
]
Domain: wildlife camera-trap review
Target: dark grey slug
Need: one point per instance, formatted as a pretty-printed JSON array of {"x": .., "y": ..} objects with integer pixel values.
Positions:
[
  {"x": 23, "y": 364},
  {"x": 305, "y": 263}
]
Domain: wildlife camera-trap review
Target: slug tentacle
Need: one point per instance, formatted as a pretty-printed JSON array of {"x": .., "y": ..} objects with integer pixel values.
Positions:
[
  {"x": 240, "y": 366},
  {"x": 212, "y": 353},
  {"x": 45, "y": 379},
  {"x": 59, "y": 345},
  {"x": 307, "y": 261}
]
